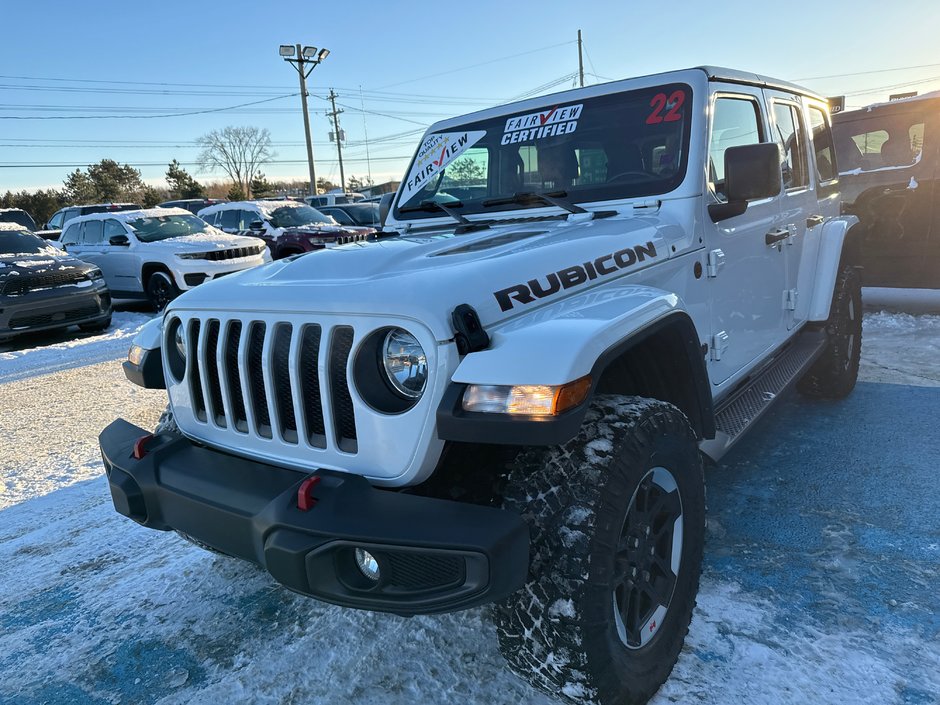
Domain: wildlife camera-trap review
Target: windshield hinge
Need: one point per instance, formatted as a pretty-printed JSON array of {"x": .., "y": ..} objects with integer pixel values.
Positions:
[{"x": 653, "y": 205}]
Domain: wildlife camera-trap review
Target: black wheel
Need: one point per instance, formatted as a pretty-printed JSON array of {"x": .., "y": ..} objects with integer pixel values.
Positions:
[
  {"x": 617, "y": 521},
  {"x": 161, "y": 290},
  {"x": 834, "y": 374},
  {"x": 95, "y": 327}
]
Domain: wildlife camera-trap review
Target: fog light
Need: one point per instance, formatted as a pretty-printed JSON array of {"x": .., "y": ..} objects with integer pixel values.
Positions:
[{"x": 367, "y": 564}]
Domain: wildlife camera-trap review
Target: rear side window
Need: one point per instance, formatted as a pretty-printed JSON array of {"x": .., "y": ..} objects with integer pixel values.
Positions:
[
  {"x": 92, "y": 232},
  {"x": 880, "y": 140},
  {"x": 791, "y": 138},
  {"x": 822, "y": 144},
  {"x": 736, "y": 123}
]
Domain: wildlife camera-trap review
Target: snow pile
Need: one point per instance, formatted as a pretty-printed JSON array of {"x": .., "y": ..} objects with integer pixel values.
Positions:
[
  {"x": 901, "y": 348},
  {"x": 76, "y": 350}
]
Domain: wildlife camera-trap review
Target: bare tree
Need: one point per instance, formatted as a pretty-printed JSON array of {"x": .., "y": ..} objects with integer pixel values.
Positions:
[{"x": 238, "y": 151}]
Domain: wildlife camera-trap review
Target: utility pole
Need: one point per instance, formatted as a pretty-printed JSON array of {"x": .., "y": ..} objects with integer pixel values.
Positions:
[
  {"x": 580, "y": 62},
  {"x": 339, "y": 140},
  {"x": 306, "y": 56}
]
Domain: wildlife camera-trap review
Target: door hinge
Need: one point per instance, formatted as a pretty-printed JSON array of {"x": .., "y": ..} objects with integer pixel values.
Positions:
[
  {"x": 716, "y": 260},
  {"x": 719, "y": 345},
  {"x": 789, "y": 299}
]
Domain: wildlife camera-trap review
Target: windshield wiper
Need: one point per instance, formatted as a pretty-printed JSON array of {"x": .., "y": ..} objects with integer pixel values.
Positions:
[
  {"x": 466, "y": 225},
  {"x": 553, "y": 198}
]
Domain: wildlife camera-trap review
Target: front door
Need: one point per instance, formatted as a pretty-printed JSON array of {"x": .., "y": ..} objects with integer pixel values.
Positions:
[{"x": 747, "y": 277}]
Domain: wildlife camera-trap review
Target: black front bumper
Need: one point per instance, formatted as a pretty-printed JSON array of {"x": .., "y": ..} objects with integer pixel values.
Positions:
[
  {"x": 50, "y": 309},
  {"x": 434, "y": 555}
]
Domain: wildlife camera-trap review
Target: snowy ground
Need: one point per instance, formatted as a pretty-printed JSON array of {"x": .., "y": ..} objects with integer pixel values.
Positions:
[{"x": 820, "y": 581}]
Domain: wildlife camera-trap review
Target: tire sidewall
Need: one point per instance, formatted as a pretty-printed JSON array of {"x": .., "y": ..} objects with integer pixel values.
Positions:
[
  {"x": 616, "y": 665},
  {"x": 152, "y": 293}
]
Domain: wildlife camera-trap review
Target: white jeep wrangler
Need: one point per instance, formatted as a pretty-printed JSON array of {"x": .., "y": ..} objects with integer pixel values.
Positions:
[{"x": 507, "y": 396}]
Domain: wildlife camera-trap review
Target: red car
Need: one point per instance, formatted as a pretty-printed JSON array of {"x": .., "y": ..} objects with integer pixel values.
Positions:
[{"x": 288, "y": 227}]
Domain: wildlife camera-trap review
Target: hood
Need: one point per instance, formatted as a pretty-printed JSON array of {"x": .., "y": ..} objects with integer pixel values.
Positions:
[
  {"x": 324, "y": 229},
  {"x": 502, "y": 272},
  {"x": 205, "y": 242}
]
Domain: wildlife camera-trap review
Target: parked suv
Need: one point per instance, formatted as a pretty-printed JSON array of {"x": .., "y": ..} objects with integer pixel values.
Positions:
[
  {"x": 158, "y": 252},
  {"x": 61, "y": 217},
  {"x": 18, "y": 216},
  {"x": 193, "y": 205},
  {"x": 288, "y": 227},
  {"x": 43, "y": 289},
  {"x": 355, "y": 214},
  {"x": 889, "y": 160},
  {"x": 507, "y": 397},
  {"x": 333, "y": 199}
]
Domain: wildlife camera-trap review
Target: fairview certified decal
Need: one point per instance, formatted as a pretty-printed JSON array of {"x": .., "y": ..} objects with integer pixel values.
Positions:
[
  {"x": 545, "y": 123},
  {"x": 436, "y": 152},
  {"x": 574, "y": 275}
]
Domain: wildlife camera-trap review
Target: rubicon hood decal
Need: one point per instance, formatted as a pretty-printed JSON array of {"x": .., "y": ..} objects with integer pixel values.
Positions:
[
  {"x": 436, "y": 152},
  {"x": 575, "y": 275}
]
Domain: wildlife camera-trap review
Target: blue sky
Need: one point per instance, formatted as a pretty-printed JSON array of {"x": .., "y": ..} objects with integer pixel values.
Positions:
[{"x": 415, "y": 62}]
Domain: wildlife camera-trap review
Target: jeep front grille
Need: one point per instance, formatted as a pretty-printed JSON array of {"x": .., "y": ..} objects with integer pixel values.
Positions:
[{"x": 263, "y": 379}]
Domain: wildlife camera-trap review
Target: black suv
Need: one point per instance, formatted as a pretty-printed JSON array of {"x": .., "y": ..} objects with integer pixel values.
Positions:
[
  {"x": 61, "y": 217},
  {"x": 42, "y": 288},
  {"x": 193, "y": 205},
  {"x": 19, "y": 217}
]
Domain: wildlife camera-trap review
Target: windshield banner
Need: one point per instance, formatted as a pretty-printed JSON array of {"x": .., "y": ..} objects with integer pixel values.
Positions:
[
  {"x": 435, "y": 153},
  {"x": 545, "y": 123}
]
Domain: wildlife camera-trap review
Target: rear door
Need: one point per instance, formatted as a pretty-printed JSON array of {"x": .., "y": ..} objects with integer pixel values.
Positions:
[
  {"x": 747, "y": 277},
  {"x": 123, "y": 261},
  {"x": 798, "y": 200},
  {"x": 90, "y": 248}
]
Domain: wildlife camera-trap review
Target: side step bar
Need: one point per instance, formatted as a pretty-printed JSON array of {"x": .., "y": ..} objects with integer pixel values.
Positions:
[{"x": 738, "y": 413}]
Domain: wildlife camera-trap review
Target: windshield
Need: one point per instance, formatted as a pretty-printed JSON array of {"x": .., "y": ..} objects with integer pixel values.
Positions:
[
  {"x": 622, "y": 145},
  {"x": 163, "y": 227},
  {"x": 19, "y": 217},
  {"x": 20, "y": 242},
  {"x": 294, "y": 216}
]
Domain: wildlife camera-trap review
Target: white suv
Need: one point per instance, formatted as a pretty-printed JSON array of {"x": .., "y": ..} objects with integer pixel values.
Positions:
[{"x": 157, "y": 253}]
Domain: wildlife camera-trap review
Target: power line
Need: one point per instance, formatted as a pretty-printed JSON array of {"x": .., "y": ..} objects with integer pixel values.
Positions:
[
  {"x": 43, "y": 165},
  {"x": 482, "y": 63},
  {"x": 865, "y": 73},
  {"x": 141, "y": 117}
]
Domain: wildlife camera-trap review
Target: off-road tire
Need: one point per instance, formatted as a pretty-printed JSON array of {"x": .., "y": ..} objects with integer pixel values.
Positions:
[
  {"x": 161, "y": 290},
  {"x": 560, "y": 631},
  {"x": 834, "y": 374},
  {"x": 96, "y": 327},
  {"x": 167, "y": 424}
]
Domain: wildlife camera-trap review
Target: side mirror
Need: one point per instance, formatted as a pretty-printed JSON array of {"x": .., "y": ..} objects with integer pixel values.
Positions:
[
  {"x": 385, "y": 205},
  {"x": 256, "y": 225},
  {"x": 752, "y": 172},
  {"x": 119, "y": 240}
]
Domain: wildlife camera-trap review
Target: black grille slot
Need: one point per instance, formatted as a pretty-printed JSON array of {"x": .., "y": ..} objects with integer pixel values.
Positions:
[
  {"x": 259, "y": 398},
  {"x": 344, "y": 418},
  {"x": 234, "y": 376},
  {"x": 283, "y": 397},
  {"x": 310, "y": 385},
  {"x": 195, "y": 380},
  {"x": 217, "y": 409},
  {"x": 416, "y": 571},
  {"x": 25, "y": 283}
]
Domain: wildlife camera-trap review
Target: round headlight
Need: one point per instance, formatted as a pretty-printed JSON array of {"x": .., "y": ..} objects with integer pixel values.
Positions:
[
  {"x": 406, "y": 363},
  {"x": 180, "y": 341}
]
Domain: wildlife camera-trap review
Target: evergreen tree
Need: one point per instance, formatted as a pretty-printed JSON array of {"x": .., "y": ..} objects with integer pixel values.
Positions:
[{"x": 182, "y": 184}]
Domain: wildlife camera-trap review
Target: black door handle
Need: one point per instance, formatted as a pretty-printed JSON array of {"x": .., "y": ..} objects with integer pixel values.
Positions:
[
  {"x": 775, "y": 236},
  {"x": 814, "y": 220}
]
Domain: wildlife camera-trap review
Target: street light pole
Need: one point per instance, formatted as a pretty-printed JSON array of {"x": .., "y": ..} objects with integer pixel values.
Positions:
[{"x": 305, "y": 57}]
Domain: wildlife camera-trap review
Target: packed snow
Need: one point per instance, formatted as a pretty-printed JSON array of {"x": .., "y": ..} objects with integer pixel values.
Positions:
[{"x": 819, "y": 585}]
